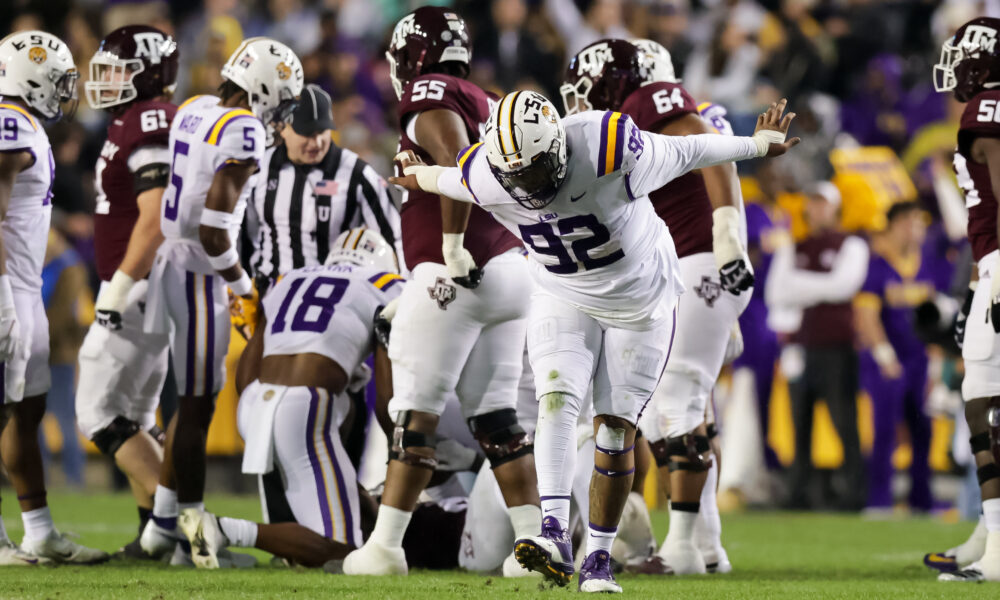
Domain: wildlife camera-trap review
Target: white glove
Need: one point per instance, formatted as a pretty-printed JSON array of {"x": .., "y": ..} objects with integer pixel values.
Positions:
[
  {"x": 734, "y": 347},
  {"x": 112, "y": 300},
  {"x": 10, "y": 329},
  {"x": 427, "y": 176},
  {"x": 735, "y": 272},
  {"x": 461, "y": 266}
]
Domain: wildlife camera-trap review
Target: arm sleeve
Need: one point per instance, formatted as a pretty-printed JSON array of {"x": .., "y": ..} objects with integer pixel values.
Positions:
[
  {"x": 788, "y": 285},
  {"x": 662, "y": 158},
  {"x": 451, "y": 184}
]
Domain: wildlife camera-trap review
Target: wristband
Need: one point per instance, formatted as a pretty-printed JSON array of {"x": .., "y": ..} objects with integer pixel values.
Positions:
[
  {"x": 6, "y": 295},
  {"x": 114, "y": 296},
  {"x": 225, "y": 260},
  {"x": 218, "y": 219},
  {"x": 884, "y": 354},
  {"x": 726, "y": 244},
  {"x": 242, "y": 286},
  {"x": 764, "y": 138},
  {"x": 452, "y": 242}
]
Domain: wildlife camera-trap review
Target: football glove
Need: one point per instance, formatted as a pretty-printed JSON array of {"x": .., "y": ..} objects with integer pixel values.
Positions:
[
  {"x": 461, "y": 266},
  {"x": 112, "y": 301},
  {"x": 958, "y": 327},
  {"x": 735, "y": 272},
  {"x": 383, "y": 321}
]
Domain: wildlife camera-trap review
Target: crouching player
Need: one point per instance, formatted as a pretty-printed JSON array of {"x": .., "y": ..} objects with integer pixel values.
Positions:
[{"x": 308, "y": 349}]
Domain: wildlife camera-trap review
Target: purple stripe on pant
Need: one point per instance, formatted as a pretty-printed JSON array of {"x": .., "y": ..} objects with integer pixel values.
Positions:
[
  {"x": 192, "y": 338},
  {"x": 209, "y": 334},
  {"x": 345, "y": 501},
  {"x": 324, "y": 503}
]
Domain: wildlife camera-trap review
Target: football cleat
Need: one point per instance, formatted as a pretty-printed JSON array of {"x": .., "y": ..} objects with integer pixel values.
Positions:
[
  {"x": 202, "y": 530},
  {"x": 941, "y": 561},
  {"x": 375, "y": 559},
  {"x": 550, "y": 553},
  {"x": 970, "y": 574},
  {"x": 58, "y": 548},
  {"x": 12, "y": 556},
  {"x": 965, "y": 553},
  {"x": 512, "y": 568},
  {"x": 683, "y": 558},
  {"x": 156, "y": 541},
  {"x": 596, "y": 576}
]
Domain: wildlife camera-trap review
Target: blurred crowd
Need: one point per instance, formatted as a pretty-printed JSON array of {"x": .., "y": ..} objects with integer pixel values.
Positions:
[{"x": 857, "y": 73}]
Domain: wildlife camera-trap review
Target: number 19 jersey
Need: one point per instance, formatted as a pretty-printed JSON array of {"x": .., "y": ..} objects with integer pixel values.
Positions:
[
  {"x": 205, "y": 137},
  {"x": 327, "y": 310}
]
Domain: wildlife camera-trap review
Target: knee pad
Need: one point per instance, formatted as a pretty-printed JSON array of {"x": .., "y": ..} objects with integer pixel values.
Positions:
[
  {"x": 403, "y": 438},
  {"x": 111, "y": 438},
  {"x": 500, "y": 436},
  {"x": 993, "y": 421},
  {"x": 611, "y": 441},
  {"x": 694, "y": 448}
]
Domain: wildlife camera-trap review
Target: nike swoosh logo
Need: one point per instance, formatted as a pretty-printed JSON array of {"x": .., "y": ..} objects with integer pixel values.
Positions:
[
  {"x": 575, "y": 198},
  {"x": 65, "y": 555}
]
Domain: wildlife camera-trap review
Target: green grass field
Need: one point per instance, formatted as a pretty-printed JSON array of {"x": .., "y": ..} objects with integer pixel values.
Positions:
[{"x": 775, "y": 555}]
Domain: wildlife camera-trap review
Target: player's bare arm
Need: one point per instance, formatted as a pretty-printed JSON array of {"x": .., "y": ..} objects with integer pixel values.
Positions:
[
  {"x": 214, "y": 234},
  {"x": 248, "y": 367},
  {"x": 442, "y": 133},
  {"x": 11, "y": 163}
]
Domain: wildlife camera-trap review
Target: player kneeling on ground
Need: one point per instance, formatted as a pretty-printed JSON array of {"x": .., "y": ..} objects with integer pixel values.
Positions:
[{"x": 318, "y": 327}]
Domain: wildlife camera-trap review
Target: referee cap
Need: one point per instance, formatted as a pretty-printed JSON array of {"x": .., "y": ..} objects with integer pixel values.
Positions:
[{"x": 314, "y": 113}]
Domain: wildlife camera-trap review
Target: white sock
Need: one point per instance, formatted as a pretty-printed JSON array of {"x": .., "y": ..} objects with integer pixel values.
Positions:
[
  {"x": 600, "y": 538},
  {"x": 681, "y": 528},
  {"x": 3, "y": 532},
  {"x": 555, "y": 453},
  {"x": 241, "y": 533},
  {"x": 165, "y": 503},
  {"x": 182, "y": 506},
  {"x": 708, "y": 529},
  {"x": 526, "y": 520},
  {"x": 390, "y": 526},
  {"x": 991, "y": 514},
  {"x": 37, "y": 523}
]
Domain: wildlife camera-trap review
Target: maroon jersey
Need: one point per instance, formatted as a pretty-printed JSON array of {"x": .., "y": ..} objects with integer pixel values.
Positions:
[
  {"x": 143, "y": 124},
  {"x": 980, "y": 119},
  {"x": 823, "y": 324},
  {"x": 683, "y": 203},
  {"x": 421, "y": 212}
]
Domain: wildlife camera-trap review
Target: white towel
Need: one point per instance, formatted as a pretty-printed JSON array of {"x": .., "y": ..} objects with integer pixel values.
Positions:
[{"x": 258, "y": 406}]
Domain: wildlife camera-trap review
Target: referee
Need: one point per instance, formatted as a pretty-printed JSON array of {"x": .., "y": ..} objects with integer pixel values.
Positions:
[{"x": 309, "y": 191}]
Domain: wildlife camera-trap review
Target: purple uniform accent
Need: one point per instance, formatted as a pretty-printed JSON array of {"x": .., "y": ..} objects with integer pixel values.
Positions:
[
  {"x": 602, "y": 150},
  {"x": 467, "y": 169},
  {"x": 555, "y": 497},
  {"x": 902, "y": 399},
  {"x": 611, "y": 452},
  {"x": 192, "y": 338},
  {"x": 209, "y": 335},
  {"x": 3, "y": 383},
  {"x": 227, "y": 124},
  {"x": 602, "y": 529},
  {"x": 345, "y": 503},
  {"x": 670, "y": 347},
  {"x": 324, "y": 503}
]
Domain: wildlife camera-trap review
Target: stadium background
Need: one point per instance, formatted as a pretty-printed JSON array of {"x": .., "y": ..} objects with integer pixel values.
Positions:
[{"x": 857, "y": 72}]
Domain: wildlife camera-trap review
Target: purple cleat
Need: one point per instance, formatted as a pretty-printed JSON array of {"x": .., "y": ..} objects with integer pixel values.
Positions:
[
  {"x": 550, "y": 553},
  {"x": 595, "y": 574}
]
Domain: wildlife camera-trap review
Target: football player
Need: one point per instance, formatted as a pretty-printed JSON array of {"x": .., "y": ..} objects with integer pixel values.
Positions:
[
  {"x": 215, "y": 146},
  {"x": 132, "y": 76},
  {"x": 606, "y": 278},
  {"x": 704, "y": 211},
  {"x": 970, "y": 69},
  {"x": 37, "y": 76},
  {"x": 461, "y": 321},
  {"x": 307, "y": 350}
]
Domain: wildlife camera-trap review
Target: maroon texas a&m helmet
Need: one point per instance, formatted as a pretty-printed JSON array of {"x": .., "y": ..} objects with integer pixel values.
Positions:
[
  {"x": 426, "y": 37},
  {"x": 602, "y": 75},
  {"x": 135, "y": 62},
  {"x": 970, "y": 60}
]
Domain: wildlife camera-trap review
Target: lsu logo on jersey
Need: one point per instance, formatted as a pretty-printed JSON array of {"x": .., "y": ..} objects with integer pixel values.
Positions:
[{"x": 38, "y": 55}]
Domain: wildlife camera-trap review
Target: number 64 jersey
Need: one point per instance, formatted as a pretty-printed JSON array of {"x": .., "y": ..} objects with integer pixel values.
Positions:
[
  {"x": 330, "y": 311},
  {"x": 599, "y": 244}
]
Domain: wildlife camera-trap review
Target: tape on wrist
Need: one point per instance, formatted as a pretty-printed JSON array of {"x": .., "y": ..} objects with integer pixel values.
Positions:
[
  {"x": 764, "y": 138},
  {"x": 427, "y": 176},
  {"x": 218, "y": 219},
  {"x": 225, "y": 260},
  {"x": 114, "y": 296},
  {"x": 242, "y": 286},
  {"x": 6, "y": 293},
  {"x": 452, "y": 242},
  {"x": 726, "y": 244}
]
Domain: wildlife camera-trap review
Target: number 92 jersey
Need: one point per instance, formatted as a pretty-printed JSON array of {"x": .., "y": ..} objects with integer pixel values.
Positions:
[
  {"x": 205, "y": 137},
  {"x": 328, "y": 310},
  {"x": 599, "y": 244}
]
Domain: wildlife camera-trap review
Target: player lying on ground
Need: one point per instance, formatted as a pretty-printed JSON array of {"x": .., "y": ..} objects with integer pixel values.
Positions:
[
  {"x": 309, "y": 347},
  {"x": 607, "y": 280}
]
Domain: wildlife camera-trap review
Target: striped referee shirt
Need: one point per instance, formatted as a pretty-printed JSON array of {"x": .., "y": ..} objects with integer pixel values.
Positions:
[{"x": 296, "y": 211}]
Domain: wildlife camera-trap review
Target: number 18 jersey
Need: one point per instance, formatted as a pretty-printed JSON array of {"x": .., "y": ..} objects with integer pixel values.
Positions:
[
  {"x": 327, "y": 310},
  {"x": 205, "y": 137}
]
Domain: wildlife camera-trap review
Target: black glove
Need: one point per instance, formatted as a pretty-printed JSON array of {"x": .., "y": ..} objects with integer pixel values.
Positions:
[
  {"x": 382, "y": 327},
  {"x": 736, "y": 277},
  {"x": 472, "y": 280},
  {"x": 112, "y": 319},
  {"x": 958, "y": 327}
]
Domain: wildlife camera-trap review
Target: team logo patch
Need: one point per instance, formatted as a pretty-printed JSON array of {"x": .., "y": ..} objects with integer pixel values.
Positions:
[
  {"x": 442, "y": 292},
  {"x": 38, "y": 55},
  {"x": 709, "y": 291},
  {"x": 978, "y": 38},
  {"x": 284, "y": 71}
]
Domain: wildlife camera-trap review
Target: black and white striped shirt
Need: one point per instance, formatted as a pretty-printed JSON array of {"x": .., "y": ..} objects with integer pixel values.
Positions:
[{"x": 296, "y": 211}]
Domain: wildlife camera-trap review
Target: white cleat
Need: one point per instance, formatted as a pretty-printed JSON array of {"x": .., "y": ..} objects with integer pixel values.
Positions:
[
  {"x": 970, "y": 574},
  {"x": 236, "y": 560},
  {"x": 181, "y": 556},
  {"x": 202, "y": 530},
  {"x": 157, "y": 541},
  {"x": 990, "y": 562},
  {"x": 57, "y": 548},
  {"x": 375, "y": 559},
  {"x": 683, "y": 558},
  {"x": 512, "y": 568},
  {"x": 12, "y": 556}
]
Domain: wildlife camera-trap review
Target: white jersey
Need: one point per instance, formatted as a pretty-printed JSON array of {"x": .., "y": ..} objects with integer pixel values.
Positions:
[
  {"x": 204, "y": 137},
  {"x": 26, "y": 226},
  {"x": 599, "y": 244},
  {"x": 328, "y": 310}
]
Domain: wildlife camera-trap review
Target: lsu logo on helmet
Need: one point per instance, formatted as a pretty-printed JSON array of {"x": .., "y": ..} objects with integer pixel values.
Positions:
[
  {"x": 284, "y": 71},
  {"x": 38, "y": 55}
]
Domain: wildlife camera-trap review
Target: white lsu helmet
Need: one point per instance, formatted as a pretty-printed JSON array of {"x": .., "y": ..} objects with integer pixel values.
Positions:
[
  {"x": 365, "y": 248},
  {"x": 38, "y": 68},
  {"x": 661, "y": 67},
  {"x": 271, "y": 75},
  {"x": 526, "y": 148}
]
